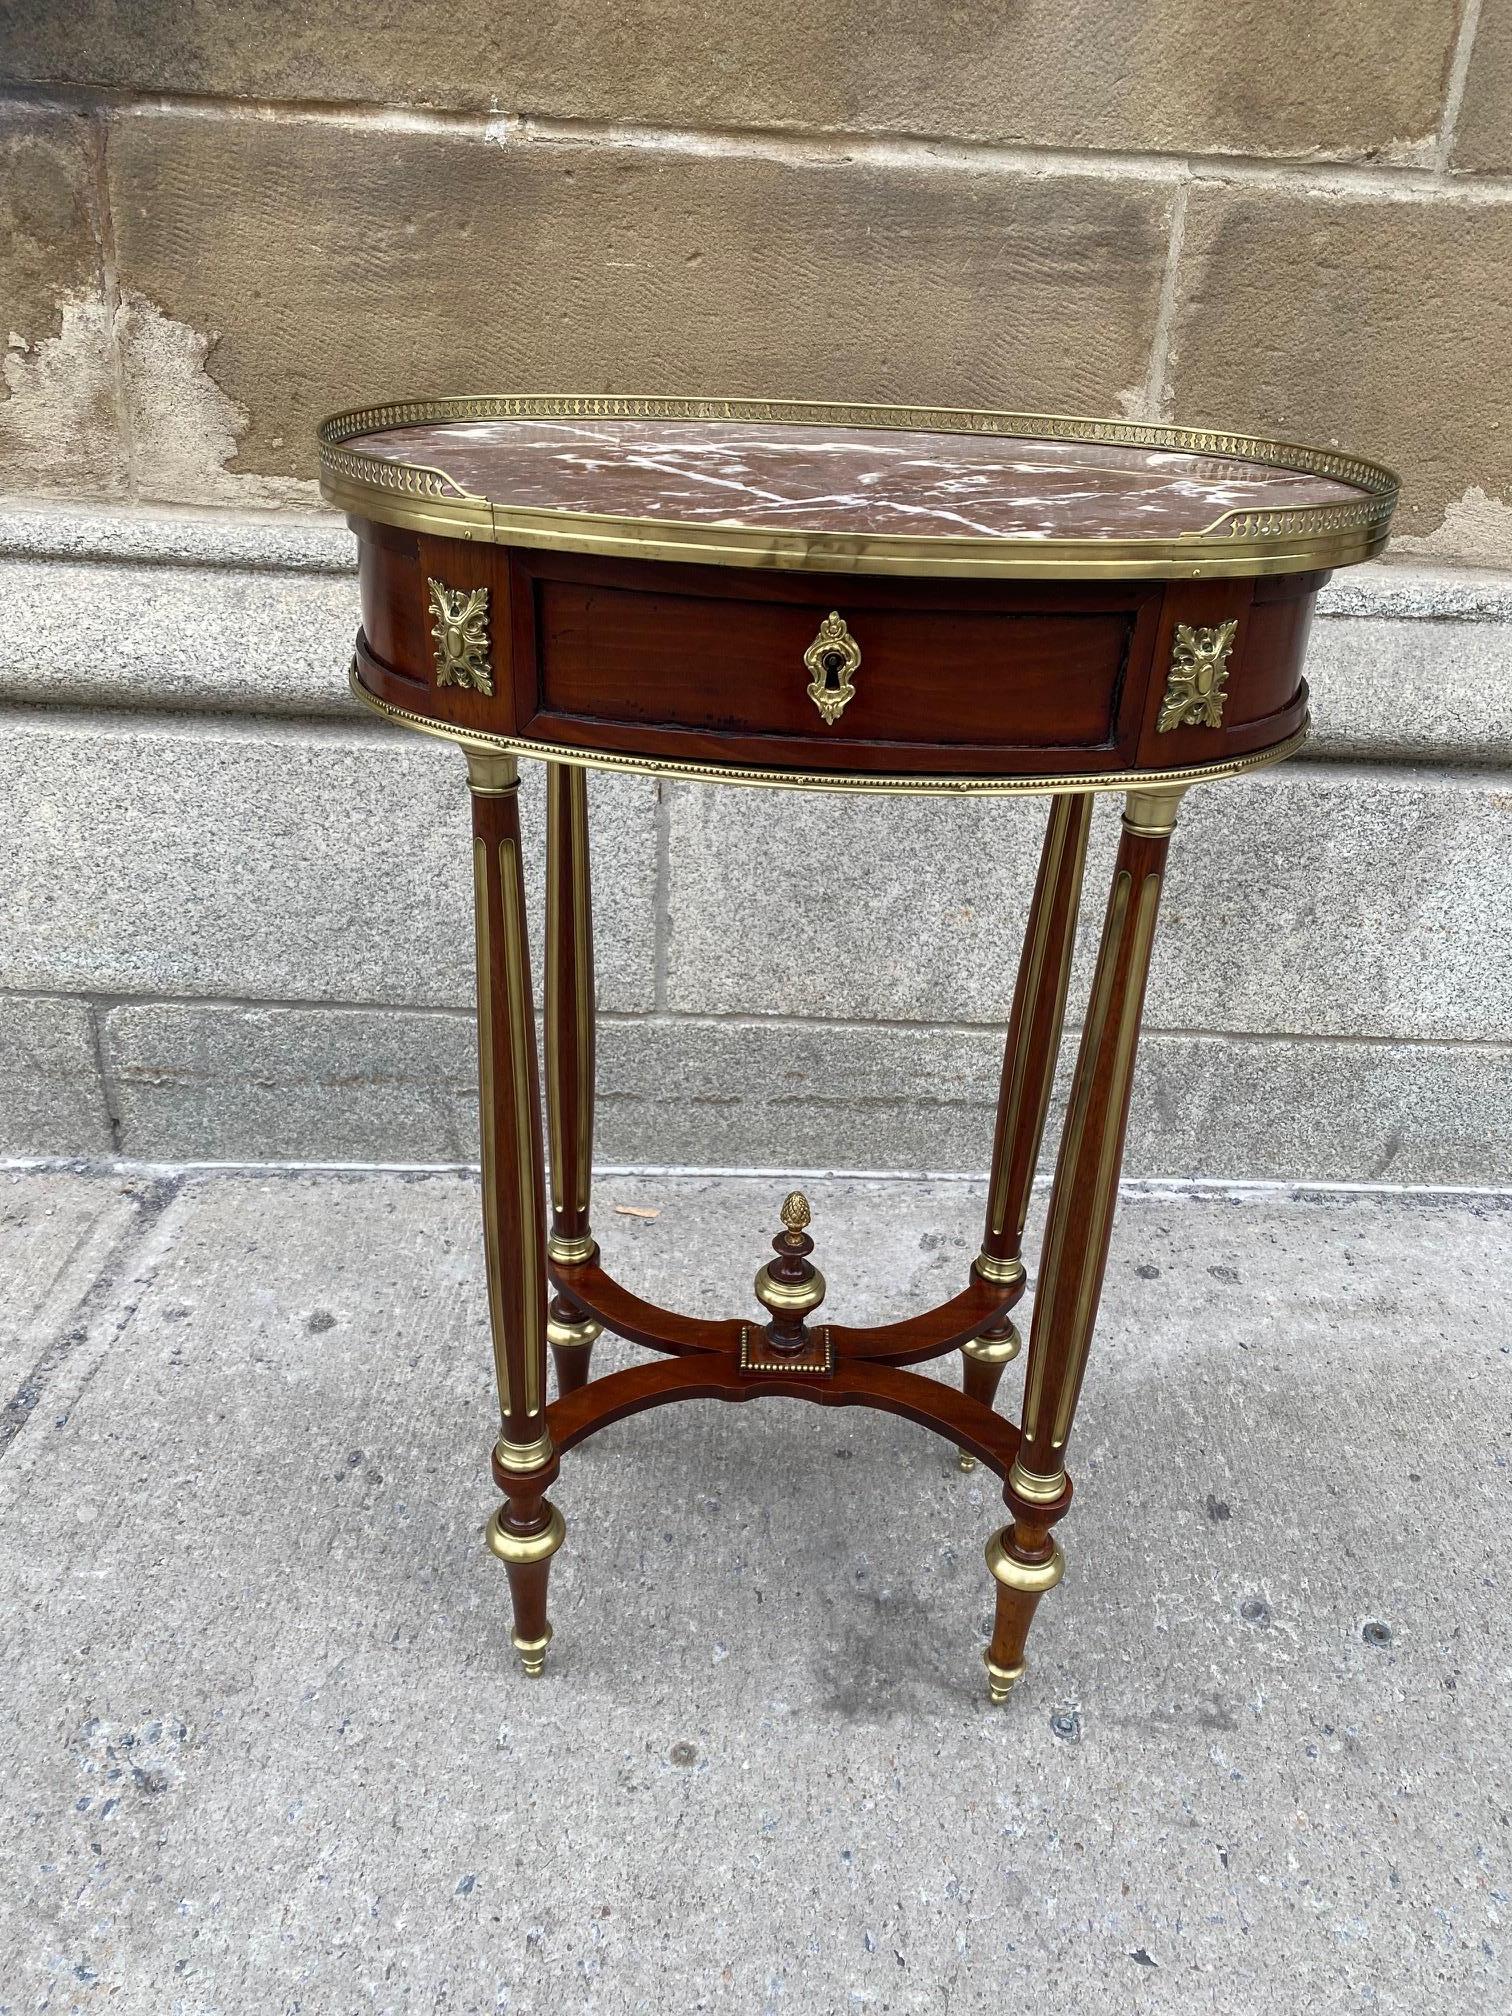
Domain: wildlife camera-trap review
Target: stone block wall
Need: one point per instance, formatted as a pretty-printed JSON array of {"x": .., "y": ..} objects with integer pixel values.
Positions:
[{"x": 218, "y": 223}]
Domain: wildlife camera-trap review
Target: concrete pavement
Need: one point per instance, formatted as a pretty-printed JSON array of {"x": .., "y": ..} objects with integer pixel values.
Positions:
[{"x": 263, "y": 1746}]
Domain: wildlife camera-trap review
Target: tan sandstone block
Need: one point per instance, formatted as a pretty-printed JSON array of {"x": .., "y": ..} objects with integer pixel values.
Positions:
[
  {"x": 1483, "y": 135},
  {"x": 57, "y": 409},
  {"x": 1279, "y": 77},
  {"x": 332, "y": 268},
  {"x": 1384, "y": 325}
]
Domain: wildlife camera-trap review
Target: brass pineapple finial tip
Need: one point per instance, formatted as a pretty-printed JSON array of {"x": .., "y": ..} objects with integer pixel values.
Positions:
[{"x": 795, "y": 1211}]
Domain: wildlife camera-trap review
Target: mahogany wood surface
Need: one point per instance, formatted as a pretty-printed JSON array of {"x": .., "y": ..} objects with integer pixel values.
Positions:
[
  {"x": 856, "y": 1383},
  {"x": 909, "y": 1342},
  {"x": 669, "y": 661}
]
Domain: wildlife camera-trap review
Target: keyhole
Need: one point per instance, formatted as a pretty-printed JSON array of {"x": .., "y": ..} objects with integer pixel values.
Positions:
[{"x": 833, "y": 665}]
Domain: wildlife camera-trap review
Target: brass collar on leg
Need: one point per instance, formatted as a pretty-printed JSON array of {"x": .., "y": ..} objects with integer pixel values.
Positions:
[
  {"x": 491, "y": 774},
  {"x": 520, "y": 1549},
  {"x": 573, "y": 1336},
  {"x": 520, "y": 1458},
  {"x": 1034, "y": 1488},
  {"x": 570, "y": 1252},
  {"x": 994, "y": 1350},
  {"x": 789, "y": 1298},
  {"x": 1151, "y": 813},
  {"x": 1025, "y": 1578},
  {"x": 1002, "y": 1273}
]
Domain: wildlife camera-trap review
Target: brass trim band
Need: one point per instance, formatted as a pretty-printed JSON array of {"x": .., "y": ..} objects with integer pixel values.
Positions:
[
  {"x": 490, "y": 773},
  {"x": 1034, "y": 1488},
  {"x": 573, "y": 1336},
  {"x": 1002, "y": 1273},
  {"x": 521, "y": 1458},
  {"x": 1025, "y": 1578},
  {"x": 570, "y": 1252},
  {"x": 994, "y": 1350},
  {"x": 521, "y": 1550},
  {"x": 1237, "y": 542},
  {"x": 1152, "y": 814},
  {"x": 477, "y": 741},
  {"x": 789, "y": 1298},
  {"x": 1001, "y": 1680}
]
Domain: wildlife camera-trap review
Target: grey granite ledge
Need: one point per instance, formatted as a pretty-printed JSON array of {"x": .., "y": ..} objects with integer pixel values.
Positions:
[
  {"x": 50, "y": 1071},
  {"x": 284, "y": 542},
  {"x": 206, "y": 1081},
  {"x": 1410, "y": 591}
]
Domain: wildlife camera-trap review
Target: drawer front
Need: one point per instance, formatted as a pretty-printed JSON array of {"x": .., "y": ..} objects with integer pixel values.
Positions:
[
  {"x": 847, "y": 674},
  {"x": 860, "y": 675}
]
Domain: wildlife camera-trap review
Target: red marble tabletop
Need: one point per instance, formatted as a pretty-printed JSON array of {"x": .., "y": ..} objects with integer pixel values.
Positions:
[{"x": 847, "y": 481}]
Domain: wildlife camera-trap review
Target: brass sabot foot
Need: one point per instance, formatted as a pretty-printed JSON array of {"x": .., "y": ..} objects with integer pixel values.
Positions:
[
  {"x": 1001, "y": 1680},
  {"x": 532, "y": 1652},
  {"x": 965, "y": 1460}
]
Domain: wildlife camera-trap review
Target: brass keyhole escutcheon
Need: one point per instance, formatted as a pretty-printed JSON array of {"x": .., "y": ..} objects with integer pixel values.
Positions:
[{"x": 832, "y": 660}]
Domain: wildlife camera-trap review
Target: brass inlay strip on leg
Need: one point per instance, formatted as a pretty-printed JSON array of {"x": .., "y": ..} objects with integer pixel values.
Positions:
[
  {"x": 522, "y": 1061},
  {"x": 1067, "y": 825},
  {"x": 1100, "y": 1212},
  {"x": 1053, "y": 1265},
  {"x": 571, "y": 1161},
  {"x": 556, "y": 784},
  {"x": 581, "y": 1147},
  {"x": 484, "y": 937}
]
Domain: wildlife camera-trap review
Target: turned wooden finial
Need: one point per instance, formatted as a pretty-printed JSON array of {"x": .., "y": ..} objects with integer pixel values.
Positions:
[{"x": 790, "y": 1287}]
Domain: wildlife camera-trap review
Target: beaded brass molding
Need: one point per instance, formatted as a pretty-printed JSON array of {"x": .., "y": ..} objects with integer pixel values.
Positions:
[
  {"x": 1238, "y": 542},
  {"x": 461, "y": 634},
  {"x": 1197, "y": 682},
  {"x": 475, "y": 740},
  {"x": 817, "y": 1362}
]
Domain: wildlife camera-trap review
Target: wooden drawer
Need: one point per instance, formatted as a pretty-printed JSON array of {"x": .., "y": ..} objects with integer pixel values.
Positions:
[
  {"x": 985, "y": 676},
  {"x": 679, "y": 663}
]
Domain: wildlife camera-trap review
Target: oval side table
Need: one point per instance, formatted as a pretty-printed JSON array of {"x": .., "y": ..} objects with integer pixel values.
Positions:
[{"x": 845, "y": 599}]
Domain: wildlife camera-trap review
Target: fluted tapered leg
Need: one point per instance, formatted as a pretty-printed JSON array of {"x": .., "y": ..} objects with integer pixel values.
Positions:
[
  {"x": 1029, "y": 1059},
  {"x": 570, "y": 1045},
  {"x": 1024, "y": 1558},
  {"x": 526, "y": 1530}
]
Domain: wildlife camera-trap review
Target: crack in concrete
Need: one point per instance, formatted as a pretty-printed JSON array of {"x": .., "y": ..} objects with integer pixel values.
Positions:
[{"x": 152, "y": 1199}]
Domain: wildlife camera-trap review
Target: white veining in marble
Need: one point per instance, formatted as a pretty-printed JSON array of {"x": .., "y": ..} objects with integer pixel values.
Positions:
[{"x": 847, "y": 481}]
